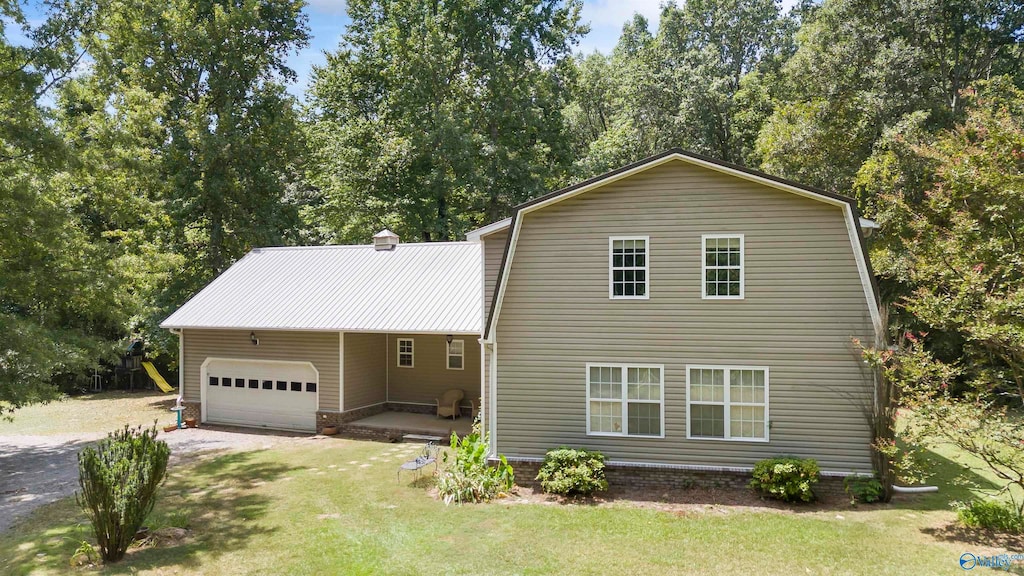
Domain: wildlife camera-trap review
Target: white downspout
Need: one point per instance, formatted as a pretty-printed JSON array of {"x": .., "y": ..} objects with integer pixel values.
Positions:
[{"x": 181, "y": 364}]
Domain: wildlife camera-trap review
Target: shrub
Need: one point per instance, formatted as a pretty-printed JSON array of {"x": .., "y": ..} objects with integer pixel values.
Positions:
[
  {"x": 786, "y": 478},
  {"x": 865, "y": 489},
  {"x": 991, "y": 514},
  {"x": 118, "y": 479},
  {"x": 567, "y": 471},
  {"x": 467, "y": 477}
]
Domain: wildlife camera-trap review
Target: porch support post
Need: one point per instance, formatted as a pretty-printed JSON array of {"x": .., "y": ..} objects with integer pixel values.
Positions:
[{"x": 341, "y": 371}]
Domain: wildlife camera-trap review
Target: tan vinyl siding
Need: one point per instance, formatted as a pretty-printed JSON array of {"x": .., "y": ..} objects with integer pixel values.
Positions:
[
  {"x": 429, "y": 377},
  {"x": 804, "y": 303},
  {"x": 494, "y": 249},
  {"x": 320, "y": 348},
  {"x": 365, "y": 369}
]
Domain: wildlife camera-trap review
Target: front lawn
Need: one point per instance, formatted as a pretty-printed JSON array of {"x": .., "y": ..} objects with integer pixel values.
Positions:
[
  {"x": 91, "y": 414},
  {"x": 333, "y": 506}
]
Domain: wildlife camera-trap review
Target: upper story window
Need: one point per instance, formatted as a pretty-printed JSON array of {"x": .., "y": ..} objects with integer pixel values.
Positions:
[
  {"x": 722, "y": 266},
  {"x": 727, "y": 403},
  {"x": 456, "y": 355},
  {"x": 628, "y": 267},
  {"x": 625, "y": 400},
  {"x": 405, "y": 356}
]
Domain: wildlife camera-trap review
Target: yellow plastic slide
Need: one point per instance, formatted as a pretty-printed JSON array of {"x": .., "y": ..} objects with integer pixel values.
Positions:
[{"x": 160, "y": 382}]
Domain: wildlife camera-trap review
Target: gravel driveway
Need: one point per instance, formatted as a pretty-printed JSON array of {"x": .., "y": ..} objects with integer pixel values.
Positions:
[{"x": 37, "y": 470}]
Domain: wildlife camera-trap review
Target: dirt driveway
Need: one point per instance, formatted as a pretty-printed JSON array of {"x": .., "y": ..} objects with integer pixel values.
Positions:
[{"x": 37, "y": 470}]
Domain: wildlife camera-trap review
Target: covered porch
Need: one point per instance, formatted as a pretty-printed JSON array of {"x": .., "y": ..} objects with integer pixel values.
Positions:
[
  {"x": 391, "y": 384},
  {"x": 408, "y": 427}
]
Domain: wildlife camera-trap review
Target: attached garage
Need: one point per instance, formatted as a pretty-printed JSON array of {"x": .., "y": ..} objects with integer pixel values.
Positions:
[{"x": 281, "y": 395}]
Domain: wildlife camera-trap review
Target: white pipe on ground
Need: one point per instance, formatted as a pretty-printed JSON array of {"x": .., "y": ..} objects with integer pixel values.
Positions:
[{"x": 914, "y": 489}]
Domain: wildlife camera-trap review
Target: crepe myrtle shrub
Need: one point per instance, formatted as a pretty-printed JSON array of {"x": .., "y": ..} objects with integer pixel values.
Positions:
[
  {"x": 569, "y": 471},
  {"x": 118, "y": 479},
  {"x": 786, "y": 478},
  {"x": 467, "y": 476}
]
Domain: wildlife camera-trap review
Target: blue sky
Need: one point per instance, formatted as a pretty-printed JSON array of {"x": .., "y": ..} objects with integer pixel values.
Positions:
[{"x": 327, "y": 23}]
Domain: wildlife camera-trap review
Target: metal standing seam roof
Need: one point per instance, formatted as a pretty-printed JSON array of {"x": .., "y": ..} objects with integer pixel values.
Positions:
[{"x": 426, "y": 287}]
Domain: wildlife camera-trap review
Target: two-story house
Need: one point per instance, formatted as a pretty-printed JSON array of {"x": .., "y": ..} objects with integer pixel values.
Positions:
[{"x": 678, "y": 314}]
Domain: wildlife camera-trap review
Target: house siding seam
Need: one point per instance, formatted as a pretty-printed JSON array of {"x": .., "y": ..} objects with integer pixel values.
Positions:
[
  {"x": 804, "y": 303},
  {"x": 319, "y": 348}
]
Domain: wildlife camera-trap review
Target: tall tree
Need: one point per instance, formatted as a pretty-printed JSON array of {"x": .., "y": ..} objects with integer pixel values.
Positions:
[
  {"x": 228, "y": 143},
  {"x": 433, "y": 117},
  {"x": 704, "y": 82},
  {"x": 59, "y": 292},
  {"x": 958, "y": 247},
  {"x": 862, "y": 66}
]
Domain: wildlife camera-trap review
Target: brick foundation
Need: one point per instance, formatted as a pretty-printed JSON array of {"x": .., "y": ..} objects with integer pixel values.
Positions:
[
  {"x": 665, "y": 478},
  {"x": 326, "y": 418}
]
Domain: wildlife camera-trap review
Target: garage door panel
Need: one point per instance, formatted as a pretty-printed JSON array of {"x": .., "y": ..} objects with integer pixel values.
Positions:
[{"x": 261, "y": 394}]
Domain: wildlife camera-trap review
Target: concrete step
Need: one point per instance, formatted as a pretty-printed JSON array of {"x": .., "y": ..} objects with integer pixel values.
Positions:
[{"x": 422, "y": 438}]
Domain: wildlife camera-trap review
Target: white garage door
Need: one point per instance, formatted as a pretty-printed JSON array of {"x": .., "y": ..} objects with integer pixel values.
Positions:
[{"x": 280, "y": 395}]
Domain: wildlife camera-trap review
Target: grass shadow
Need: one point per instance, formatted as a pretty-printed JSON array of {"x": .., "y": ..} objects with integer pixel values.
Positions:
[
  {"x": 955, "y": 481},
  {"x": 217, "y": 497}
]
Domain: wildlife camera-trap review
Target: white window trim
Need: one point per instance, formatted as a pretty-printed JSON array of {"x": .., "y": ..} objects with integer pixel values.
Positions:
[
  {"x": 398, "y": 352},
  {"x": 449, "y": 355},
  {"x": 728, "y": 405},
  {"x": 624, "y": 400},
  {"x": 704, "y": 267},
  {"x": 647, "y": 268}
]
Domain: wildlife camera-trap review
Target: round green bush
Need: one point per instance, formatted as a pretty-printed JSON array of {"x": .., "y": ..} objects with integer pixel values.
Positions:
[
  {"x": 568, "y": 471},
  {"x": 786, "y": 478}
]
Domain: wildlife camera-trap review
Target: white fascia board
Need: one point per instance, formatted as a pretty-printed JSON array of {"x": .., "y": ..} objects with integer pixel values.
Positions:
[{"x": 476, "y": 235}]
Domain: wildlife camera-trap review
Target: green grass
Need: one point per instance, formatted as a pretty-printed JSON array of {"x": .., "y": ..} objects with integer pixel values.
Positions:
[
  {"x": 305, "y": 508},
  {"x": 336, "y": 507},
  {"x": 91, "y": 414}
]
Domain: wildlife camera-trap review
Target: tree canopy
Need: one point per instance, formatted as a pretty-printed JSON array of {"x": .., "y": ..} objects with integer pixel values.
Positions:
[{"x": 145, "y": 145}]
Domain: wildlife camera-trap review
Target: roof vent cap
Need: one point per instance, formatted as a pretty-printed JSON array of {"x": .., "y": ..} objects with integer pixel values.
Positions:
[{"x": 385, "y": 240}]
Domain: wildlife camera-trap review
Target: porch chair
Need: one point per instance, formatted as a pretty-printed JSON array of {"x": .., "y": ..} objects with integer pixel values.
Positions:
[{"x": 448, "y": 403}]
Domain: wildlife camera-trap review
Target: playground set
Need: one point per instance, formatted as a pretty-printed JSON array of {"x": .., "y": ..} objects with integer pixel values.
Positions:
[{"x": 134, "y": 361}]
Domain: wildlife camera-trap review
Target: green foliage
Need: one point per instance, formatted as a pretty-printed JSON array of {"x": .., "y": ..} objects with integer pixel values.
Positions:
[
  {"x": 467, "y": 476},
  {"x": 991, "y": 515},
  {"x": 58, "y": 286},
  {"x": 704, "y": 82},
  {"x": 432, "y": 118},
  {"x": 569, "y": 471},
  {"x": 861, "y": 70},
  {"x": 118, "y": 480},
  {"x": 786, "y": 478},
  {"x": 189, "y": 96},
  {"x": 865, "y": 489},
  {"x": 83, "y": 555}
]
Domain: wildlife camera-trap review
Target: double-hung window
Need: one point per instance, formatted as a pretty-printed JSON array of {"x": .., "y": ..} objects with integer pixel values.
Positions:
[
  {"x": 625, "y": 400},
  {"x": 727, "y": 403},
  {"x": 405, "y": 357},
  {"x": 456, "y": 354},
  {"x": 628, "y": 267},
  {"x": 722, "y": 266}
]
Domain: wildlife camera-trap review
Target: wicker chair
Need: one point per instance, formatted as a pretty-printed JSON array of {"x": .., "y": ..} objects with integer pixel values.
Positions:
[{"x": 448, "y": 403}]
